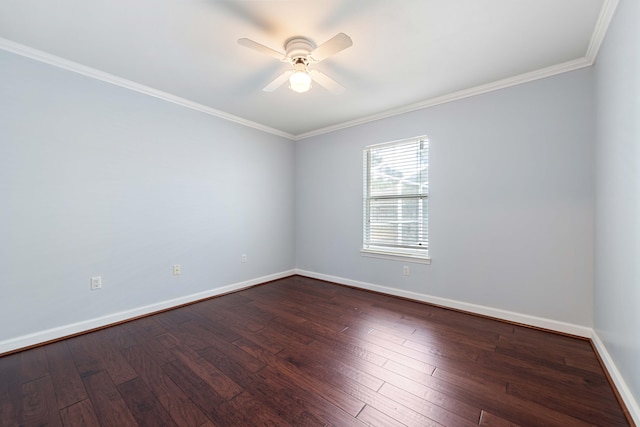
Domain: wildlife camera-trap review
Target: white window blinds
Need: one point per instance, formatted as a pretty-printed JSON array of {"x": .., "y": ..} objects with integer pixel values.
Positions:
[{"x": 396, "y": 187}]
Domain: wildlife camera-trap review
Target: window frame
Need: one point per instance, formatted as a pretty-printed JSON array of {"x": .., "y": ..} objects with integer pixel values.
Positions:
[{"x": 369, "y": 248}]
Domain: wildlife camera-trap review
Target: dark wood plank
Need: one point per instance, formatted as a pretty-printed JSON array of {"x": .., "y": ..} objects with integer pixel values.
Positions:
[
  {"x": 144, "y": 406},
  {"x": 203, "y": 395},
  {"x": 442, "y": 333},
  {"x": 39, "y": 403},
  {"x": 33, "y": 364},
  {"x": 110, "y": 409},
  {"x": 372, "y": 417},
  {"x": 179, "y": 335},
  {"x": 299, "y": 406},
  {"x": 389, "y": 407},
  {"x": 181, "y": 409},
  {"x": 146, "y": 340},
  {"x": 433, "y": 405},
  {"x": 254, "y": 413},
  {"x": 207, "y": 372},
  {"x": 249, "y": 362},
  {"x": 10, "y": 391},
  {"x": 86, "y": 357},
  {"x": 463, "y": 376},
  {"x": 444, "y": 408},
  {"x": 309, "y": 399},
  {"x": 288, "y": 407},
  {"x": 444, "y": 353},
  {"x": 332, "y": 365},
  {"x": 116, "y": 366},
  {"x": 587, "y": 361},
  {"x": 489, "y": 420},
  {"x": 66, "y": 379},
  {"x": 572, "y": 404},
  {"x": 500, "y": 403},
  {"x": 551, "y": 374},
  {"x": 80, "y": 414},
  {"x": 300, "y": 378},
  {"x": 389, "y": 351}
]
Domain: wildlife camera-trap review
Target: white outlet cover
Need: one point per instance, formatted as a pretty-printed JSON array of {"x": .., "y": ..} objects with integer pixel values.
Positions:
[{"x": 96, "y": 282}]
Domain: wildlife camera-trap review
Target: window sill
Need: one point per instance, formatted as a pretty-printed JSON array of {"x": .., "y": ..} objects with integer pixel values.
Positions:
[{"x": 394, "y": 256}]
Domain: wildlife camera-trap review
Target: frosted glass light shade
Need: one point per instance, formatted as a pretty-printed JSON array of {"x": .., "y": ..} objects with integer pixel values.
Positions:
[{"x": 300, "y": 81}]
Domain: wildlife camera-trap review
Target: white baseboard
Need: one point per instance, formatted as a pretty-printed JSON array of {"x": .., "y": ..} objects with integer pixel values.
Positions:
[
  {"x": 525, "y": 319},
  {"x": 618, "y": 380},
  {"x": 99, "y": 322}
]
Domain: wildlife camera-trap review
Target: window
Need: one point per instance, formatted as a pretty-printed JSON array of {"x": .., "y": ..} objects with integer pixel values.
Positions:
[{"x": 396, "y": 187}]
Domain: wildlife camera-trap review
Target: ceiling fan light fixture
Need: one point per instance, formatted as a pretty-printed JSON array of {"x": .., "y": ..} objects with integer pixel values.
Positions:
[
  {"x": 299, "y": 53},
  {"x": 300, "y": 81}
]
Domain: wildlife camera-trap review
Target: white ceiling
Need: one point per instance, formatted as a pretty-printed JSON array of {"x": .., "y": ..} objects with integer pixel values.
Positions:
[{"x": 406, "y": 54}]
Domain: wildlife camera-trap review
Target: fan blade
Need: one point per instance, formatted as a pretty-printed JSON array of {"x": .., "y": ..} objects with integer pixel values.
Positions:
[
  {"x": 332, "y": 46},
  {"x": 261, "y": 48},
  {"x": 326, "y": 82},
  {"x": 278, "y": 81}
]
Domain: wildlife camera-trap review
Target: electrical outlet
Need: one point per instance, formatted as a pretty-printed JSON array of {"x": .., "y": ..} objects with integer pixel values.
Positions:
[
  {"x": 96, "y": 283},
  {"x": 176, "y": 269},
  {"x": 243, "y": 258},
  {"x": 405, "y": 270}
]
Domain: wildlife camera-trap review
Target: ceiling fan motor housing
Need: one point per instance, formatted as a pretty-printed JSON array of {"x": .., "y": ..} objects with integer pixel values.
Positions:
[{"x": 299, "y": 48}]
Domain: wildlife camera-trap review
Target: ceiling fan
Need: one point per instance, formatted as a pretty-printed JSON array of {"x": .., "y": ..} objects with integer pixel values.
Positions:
[{"x": 300, "y": 52}]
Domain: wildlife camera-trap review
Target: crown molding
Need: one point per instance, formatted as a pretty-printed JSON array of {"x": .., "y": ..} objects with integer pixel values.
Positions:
[
  {"x": 600, "y": 30},
  {"x": 454, "y": 96},
  {"x": 56, "y": 61}
]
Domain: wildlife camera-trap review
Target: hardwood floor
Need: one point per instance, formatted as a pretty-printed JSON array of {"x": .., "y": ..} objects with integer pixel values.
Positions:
[{"x": 302, "y": 352}]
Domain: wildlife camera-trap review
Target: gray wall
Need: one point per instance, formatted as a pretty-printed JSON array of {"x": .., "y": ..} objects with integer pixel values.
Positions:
[
  {"x": 510, "y": 209},
  {"x": 100, "y": 180},
  {"x": 617, "y": 237}
]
